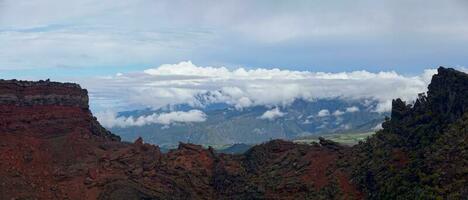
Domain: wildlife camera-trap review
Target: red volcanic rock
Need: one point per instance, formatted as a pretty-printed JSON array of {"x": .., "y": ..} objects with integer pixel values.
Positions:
[
  {"x": 93, "y": 173},
  {"x": 51, "y": 147},
  {"x": 139, "y": 141},
  {"x": 28, "y": 93}
]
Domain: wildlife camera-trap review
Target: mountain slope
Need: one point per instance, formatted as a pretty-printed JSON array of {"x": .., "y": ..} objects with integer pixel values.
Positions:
[{"x": 225, "y": 124}]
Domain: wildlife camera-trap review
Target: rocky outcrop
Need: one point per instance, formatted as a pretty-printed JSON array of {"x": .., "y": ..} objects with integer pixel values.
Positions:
[
  {"x": 448, "y": 94},
  {"x": 29, "y": 93},
  {"x": 422, "y": 151},
  {"x": 47, "y": 109}
]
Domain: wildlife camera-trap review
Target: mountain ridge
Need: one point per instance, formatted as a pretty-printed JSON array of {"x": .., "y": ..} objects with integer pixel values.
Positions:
[{"x": 226, "y": 125}]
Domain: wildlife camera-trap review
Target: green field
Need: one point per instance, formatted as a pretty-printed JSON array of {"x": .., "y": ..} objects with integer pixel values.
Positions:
[{"x": 343, "y": 138}]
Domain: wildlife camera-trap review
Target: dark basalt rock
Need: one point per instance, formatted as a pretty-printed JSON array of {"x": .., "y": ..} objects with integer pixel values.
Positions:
[
  {"x": 448, "y": 94},
  {"x": 405, "y": 159},
  {"x": 330, "y": 144}
]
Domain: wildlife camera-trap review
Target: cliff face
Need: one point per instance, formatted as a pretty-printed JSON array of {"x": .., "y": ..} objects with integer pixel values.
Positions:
[
  {"x": 46, "y": 109},
  {"x": 28, "y": 93}
]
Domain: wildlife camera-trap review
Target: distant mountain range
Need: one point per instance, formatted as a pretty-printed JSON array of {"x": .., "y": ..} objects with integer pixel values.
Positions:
[{"x": 225, "y": 124}]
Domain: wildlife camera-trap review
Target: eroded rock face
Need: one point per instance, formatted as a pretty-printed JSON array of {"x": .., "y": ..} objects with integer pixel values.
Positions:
[
  {"x": 46, "y": 109},
  {"x": 29, "y": 93},
  {"x": 51, "y": 147}
]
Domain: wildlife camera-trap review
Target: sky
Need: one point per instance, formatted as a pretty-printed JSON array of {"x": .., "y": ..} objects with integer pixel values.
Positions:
[{"x": 93, "y": 41}]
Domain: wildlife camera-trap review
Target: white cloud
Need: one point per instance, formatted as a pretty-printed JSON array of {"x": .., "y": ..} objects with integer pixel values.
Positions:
[
  {"x": 377, "y": 127},
  {"x": 76, "y": 47},
  {"x": 187, "y": 83},
  {"x": 272, "y": 114},
  {"x": 345, "y": 126},
  {"x": 243, "y": 102},
  {"x": 384, "y": 106},
  {"x": 110, "y": 119},
  {"x": 338, "y": 113},
  {"x": 348, "y": 110},
  {"x": 323, "y": 113},
  {"x": 352, "y": 109}
]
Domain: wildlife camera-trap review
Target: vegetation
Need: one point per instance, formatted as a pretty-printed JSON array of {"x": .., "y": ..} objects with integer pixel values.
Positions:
[
  {"x": 342, "y": 138},
  {"x": 226, "y": 125},
  {"x": 422, "y": 152}
]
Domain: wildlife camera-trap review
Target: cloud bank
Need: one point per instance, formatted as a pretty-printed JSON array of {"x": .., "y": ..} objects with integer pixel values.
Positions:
[
  {"x": 186, "y": 82},
  {"x": 110, "y": 119}
]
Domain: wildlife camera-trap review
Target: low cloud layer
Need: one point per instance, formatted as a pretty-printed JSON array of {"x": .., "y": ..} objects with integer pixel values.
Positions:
[
  {"x": 272, "y": 114},
  {"x": 186, "y": 82},
  {"x": 347, "y": 110},
  {"x": 110, "y": 119},
  {"x": 338, "y": 113},
  {"x": 323, "y": 113},
  {"x": 352, "y": 109}
]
